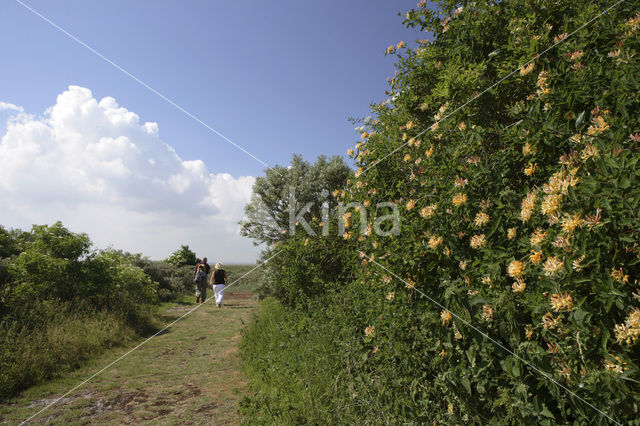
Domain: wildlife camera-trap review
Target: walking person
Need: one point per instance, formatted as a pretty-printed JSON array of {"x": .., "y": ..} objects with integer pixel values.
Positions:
[
  {"x": 219, "y": 281},
  {"x": 200, "y": 280},
  {"x": 207, "y": 269}
]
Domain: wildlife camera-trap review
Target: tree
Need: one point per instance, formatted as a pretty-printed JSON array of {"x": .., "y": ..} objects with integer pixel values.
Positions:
[
  {"x": 268, "y": 214},
  {"x": 8, "y": 243},
  {"x": 183, "y": 256}
]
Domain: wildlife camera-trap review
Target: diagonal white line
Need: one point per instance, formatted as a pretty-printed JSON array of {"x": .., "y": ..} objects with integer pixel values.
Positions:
[
  {"x": 142, "y": 83},
  {"x": 141, "y": 344},
  {"x": 537, "y": 56},
  {"x": 544, "y": 374}
]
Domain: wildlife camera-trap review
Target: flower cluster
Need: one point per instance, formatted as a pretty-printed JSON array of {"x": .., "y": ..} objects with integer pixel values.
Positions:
[
  {"x": 538, "y": 237},
  {"x": 515, "y": 269},
  {"x": 535, "y": 257},
  {"x": 459, "y": 199},
  {"x": 428, "y": 211},
  {"x": 629, "y": 332},
  {"x": 527, "y": 149},
  {"x": 446, "y": 317},
  {"x": 549, "y": 321},
  {"x": 562, "y": 302},
  {"x": 487, "y": 312},
  {"x": 478, "y": 241},
  {"x": 434, "y": 242},
  {"x": 518, "y": 286},
  {"x": 571, "y": 222},
  {"x": 616, "y": 367},
  {"x": 543, "y": 84},
  {"x": 526, "y": 69},
  {"x": 528, "y": 206},
  {"x": 481, "y": 219},
  {"x": 552, "y": 266},
  {"x": 530, "y": 169},
  {"x": 618, "y": 275},
  {"x": 528, "y": 331}
]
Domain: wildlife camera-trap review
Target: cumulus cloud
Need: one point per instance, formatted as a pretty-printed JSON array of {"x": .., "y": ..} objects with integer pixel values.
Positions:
[{"x": 94, "y": 166}]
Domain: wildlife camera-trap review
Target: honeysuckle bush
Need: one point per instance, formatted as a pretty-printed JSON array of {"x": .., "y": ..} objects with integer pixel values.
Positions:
[
  {"x": 519, "y": 194},
  {"x": 520, "y": 210}
]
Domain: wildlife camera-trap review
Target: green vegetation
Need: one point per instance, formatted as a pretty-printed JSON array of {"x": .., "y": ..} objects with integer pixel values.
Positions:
[
  {"x": 242, "y": 278},
  {"x": 182, "y": 257},
  {"x": 519, "y": 217},
  {"x": 189, "y": 374},
  {"x": 62, "y": 302},
  {"x": 268, "y": 213}
]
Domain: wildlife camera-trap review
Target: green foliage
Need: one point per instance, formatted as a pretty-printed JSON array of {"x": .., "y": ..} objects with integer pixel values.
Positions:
[
  {"x": 520, "y": 216},
  {"x": 287, "y": 389},
  {"x": 303, "y": 269},
  {"x": 61, "y": 301},
  {"x": 316, "y": 185},
  {"x": 268, "y": 212},
  {"x": 183, "y": 257},
  {"x": 32, "y": 356},
  {"x": 8, "y": 244}
]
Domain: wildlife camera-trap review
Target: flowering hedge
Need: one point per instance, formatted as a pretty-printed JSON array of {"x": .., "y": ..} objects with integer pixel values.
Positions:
[
  {"x": 520, "y": 206},
  {"x": 511, "y": 293}
]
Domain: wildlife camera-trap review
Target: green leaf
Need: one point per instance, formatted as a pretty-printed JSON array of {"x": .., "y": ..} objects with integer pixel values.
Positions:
[
  {"x": 477, "y": 300},
  {"x": 545, "y": 412},
  {"x": 579, "y": 121},
  {"x": 467, "y": 385},
  {"x": 579, "y": 315}
]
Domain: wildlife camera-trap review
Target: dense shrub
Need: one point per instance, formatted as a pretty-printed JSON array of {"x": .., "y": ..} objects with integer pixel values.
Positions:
[
  {"x": 62, "y": 301},
  {"x": 511, "y": 294},
  {"x": 303, "y": 269}
]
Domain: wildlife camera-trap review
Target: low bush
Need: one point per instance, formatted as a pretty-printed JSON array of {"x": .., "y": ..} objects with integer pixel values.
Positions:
[
  {"x": 58, "y": 346},
  {"x": 62, "y": 302}
]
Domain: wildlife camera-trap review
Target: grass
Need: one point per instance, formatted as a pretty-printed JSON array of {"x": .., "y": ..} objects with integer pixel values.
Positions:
[
  {"x": 188, "y": 374},
  {"x": 246, "y": 280},
  {"x": 59, "y": 346},
  {"x": 292, "y": 367}
]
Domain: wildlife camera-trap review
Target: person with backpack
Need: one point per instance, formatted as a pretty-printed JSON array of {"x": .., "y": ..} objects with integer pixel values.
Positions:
[
  {"x": 207, "y": 268},
  {"x": 218, "y": 281},
  {"x": 200, "y": 279}
]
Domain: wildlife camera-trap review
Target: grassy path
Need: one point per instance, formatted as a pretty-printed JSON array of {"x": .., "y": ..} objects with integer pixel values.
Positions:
[{"x": 188, "y": 374}]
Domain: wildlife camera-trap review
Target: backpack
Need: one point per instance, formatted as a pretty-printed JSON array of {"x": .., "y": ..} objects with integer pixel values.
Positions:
[{"x": 201, "y": 275}]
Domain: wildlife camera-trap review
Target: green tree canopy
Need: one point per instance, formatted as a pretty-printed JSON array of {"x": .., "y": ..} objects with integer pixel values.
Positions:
[
  {"x": 268, "y": 213},
  {"x": 183, "y": 256},
  {"x": 8, "y": 243}
]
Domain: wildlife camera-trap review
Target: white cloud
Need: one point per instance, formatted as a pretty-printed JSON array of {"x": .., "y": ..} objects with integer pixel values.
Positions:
[
  {"x": 5, "y": 106},
  {"x": 94, "y": 166}
]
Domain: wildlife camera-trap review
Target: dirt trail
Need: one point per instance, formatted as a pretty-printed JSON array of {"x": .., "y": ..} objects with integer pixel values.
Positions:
[{"x": 189, "y": 374}]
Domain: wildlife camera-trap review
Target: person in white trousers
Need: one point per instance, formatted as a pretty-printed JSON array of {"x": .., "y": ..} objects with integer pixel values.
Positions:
[{"x": 218, "y": 281}]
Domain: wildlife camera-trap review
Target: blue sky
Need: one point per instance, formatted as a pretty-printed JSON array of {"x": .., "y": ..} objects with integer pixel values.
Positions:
[{"x": 277, "y": 78}]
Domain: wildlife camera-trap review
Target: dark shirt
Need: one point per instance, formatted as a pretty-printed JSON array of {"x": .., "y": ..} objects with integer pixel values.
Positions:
[{"x": 218, "y": 276}]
